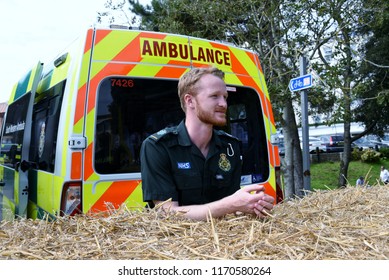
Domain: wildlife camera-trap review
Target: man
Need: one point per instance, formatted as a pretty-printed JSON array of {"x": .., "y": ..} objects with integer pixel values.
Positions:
[
  {"x": 193, "y": 168},
  {"x": 360, "y": 181},
  {"x": 384, "y": 175}
]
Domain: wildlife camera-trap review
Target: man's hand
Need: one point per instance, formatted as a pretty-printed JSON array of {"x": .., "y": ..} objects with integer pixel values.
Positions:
[
  {"x": 253, "y": 200},
  {"x": 264, "y": 205}
]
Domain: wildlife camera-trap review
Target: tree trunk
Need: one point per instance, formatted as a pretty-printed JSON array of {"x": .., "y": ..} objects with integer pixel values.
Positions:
[
  {"x": 298, "y": 166},
  {"x": 293, "y": 159},
  {"x": 288, "y": 171},
  {"x": 346, "y": 156}
]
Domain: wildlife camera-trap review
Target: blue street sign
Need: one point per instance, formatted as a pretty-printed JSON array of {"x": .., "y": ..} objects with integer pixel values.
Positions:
[{"x": 301, "y": 82}]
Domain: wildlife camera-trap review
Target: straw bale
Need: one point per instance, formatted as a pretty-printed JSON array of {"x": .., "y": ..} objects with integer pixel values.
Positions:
[{"x": 350, "y": 223}]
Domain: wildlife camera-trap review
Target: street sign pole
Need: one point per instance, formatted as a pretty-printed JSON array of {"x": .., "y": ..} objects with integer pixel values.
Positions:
[{"x": 305, "y": 129}]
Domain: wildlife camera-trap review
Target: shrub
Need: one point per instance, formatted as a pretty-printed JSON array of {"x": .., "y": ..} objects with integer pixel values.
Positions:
[
  {"x": 370, "y": 155},
  {"x": 384, "y": 152},
  {"x": 356, "y": 154}
]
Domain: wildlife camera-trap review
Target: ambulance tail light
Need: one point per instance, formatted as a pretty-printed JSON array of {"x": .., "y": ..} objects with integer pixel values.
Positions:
[
  {"x": 279, "y": 192},
  {"x": 71, "y": 202}
]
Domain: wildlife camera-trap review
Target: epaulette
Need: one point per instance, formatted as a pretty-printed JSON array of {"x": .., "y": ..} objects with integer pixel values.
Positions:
[
  {"x": 163, "y": 133},
  {"x": 223, "y": 133}
]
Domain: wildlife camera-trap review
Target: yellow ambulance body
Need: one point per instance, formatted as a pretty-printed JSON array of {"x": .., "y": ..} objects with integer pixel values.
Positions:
[{"x": 78, "y": 121}]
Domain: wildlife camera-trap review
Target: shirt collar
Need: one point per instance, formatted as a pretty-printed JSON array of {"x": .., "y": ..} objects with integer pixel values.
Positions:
[{"x": 183, "y": 136}]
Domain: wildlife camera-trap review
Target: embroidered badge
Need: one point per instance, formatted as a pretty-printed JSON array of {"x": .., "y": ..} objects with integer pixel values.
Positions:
[
  {"x": 224, "y": 163},
  {"x": 183, "y": 165}
]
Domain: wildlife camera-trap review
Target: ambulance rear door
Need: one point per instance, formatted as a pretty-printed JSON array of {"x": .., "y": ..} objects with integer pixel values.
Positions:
[{"x": 15, "y": 145}]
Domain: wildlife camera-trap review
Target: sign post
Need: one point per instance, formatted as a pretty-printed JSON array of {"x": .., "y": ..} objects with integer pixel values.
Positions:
[{"x": 301, "y": 84}]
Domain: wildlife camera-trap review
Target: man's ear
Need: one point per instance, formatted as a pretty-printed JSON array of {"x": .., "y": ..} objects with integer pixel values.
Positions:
[{"x": 189, "y": 100}]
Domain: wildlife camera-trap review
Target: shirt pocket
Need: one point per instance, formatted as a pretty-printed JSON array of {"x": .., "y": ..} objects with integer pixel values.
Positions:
[
  {"x": 220, "y": 181},
  {"x": 222, "y": 185},
  {"x": 189, "y": 186}
]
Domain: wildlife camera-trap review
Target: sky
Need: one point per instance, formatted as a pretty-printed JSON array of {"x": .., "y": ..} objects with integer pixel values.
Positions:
[{"x": 38, "y": 30}]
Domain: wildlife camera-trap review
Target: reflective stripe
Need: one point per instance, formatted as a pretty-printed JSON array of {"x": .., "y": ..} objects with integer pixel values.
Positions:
[
  {"x": 76, "y": 164},
  {"x": 112, "y": 194}
]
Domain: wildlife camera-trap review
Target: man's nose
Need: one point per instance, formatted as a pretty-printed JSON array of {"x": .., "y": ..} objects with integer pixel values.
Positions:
[{"x": 222, "y": 102}]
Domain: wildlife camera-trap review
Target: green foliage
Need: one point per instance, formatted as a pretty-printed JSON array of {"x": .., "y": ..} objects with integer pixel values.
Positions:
[
  {"x": 384, "y": 153},
  {"x": 370, "y": 156},
  {"x": 356, "y": 154},
  {"x": 373, "y": 90}
]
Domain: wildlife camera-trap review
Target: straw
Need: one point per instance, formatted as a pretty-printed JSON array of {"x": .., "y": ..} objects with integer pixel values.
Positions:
[{"x": 348, "y": 223}]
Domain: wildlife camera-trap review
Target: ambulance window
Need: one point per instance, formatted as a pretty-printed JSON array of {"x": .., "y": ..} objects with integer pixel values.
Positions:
[
  {"x": 12, "y": 139},
  {"x": 246, "y": 122},
  {"x": 128, "y": 110},
  {"x": 44, "y": 131}
]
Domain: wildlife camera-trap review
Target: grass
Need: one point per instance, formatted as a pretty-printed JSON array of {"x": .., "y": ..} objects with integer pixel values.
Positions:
[{"x": 325, "y": 175}]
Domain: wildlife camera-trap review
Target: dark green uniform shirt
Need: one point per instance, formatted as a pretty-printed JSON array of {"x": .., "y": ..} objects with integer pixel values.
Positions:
[{"x": 173, "y": 167}]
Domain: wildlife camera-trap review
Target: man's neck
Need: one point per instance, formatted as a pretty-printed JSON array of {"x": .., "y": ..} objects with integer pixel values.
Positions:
[{"x": 200, "y": 134}]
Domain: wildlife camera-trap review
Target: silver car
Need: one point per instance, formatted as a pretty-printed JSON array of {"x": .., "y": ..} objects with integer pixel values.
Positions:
[{"x": 314, "y": 145}]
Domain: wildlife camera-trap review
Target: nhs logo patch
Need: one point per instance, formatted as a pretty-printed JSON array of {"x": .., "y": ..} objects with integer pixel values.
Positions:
[{"x": 183, "y": 165}]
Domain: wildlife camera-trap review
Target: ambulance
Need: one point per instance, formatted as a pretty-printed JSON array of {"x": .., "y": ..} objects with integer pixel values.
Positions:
[{"x": 73, "y": 129}]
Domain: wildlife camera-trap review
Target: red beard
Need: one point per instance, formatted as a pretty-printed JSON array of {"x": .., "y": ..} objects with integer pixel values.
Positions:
[{"x": 210, "y": 118}]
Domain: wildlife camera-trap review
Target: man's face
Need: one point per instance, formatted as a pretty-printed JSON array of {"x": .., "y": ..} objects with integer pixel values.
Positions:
[{"x": 211, "y": 100}]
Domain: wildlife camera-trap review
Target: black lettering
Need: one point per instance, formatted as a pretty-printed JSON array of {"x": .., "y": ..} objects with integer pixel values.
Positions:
[
  {"x": 200, "y": 55},
  {"x": 160, "y": 50},
  {"x": 173, "y": 50},
  {"x": 219, "y": 59},
  {"x": 227, "y": 59},
  {"x": 184, "y": 53},
  {"x": 210, "y": 56},
  {"x": 192, "y": 57},
  {"x": 146, "y": 48}
]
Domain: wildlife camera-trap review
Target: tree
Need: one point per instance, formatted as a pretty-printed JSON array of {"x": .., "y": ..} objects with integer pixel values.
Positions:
[
  {"x": 373, "y": 90},
  {"x": 116, "y": 13},
  {"x": 331, "y": 23},
  {"x": 338, "y": 24}
]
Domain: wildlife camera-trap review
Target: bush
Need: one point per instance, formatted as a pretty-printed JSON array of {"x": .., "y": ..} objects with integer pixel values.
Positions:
[
  {"x": 384, "y": 153},
  {"x": 356, "y": 154},
  {"x": 370, "y": 155}
]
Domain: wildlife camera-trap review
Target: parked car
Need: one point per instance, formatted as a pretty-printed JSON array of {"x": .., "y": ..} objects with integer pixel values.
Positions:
[
  {"x": 363, "y": 144},
  {"x": 385, "y": 140},
  {"x": 333, "y": 143},
  {"x": 281, "y": 146},
  {"x": 314, "y": 144},
  {"x": 378, "y": 142}
]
